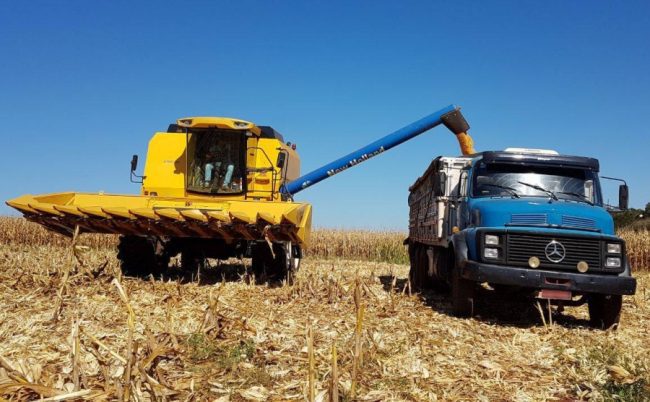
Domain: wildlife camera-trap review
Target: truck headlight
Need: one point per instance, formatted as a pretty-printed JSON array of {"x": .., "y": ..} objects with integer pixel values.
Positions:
[
  {"x": 613, "y": 248},
  {"x": 613, "y": 262},
  {"x": 492, "y": 240},
  {"x": 490, "y": 252}
]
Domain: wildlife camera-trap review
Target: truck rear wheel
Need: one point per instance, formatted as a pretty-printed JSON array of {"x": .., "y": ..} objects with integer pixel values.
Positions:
[
  {"x": 413, "y": 260},
  {"x": 605, "y": 310},
  {"x": 462, "y": 294},
  {"x": 419, "y": 263},
  {"x": 141, "y": 256},
  {"x": 440, "y": 269}
]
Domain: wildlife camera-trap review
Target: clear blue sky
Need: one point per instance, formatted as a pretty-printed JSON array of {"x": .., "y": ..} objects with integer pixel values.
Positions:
[{"x": 83, "y": 84}]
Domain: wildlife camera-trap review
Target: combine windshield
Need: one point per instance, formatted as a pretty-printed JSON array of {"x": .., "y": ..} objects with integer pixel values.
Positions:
[
  {"x": 216, "y": 161},
  {"x": 557, "y": 183}
]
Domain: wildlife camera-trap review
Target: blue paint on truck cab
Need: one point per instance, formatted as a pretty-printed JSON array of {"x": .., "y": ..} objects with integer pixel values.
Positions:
[{"x": 538, "y": 220}]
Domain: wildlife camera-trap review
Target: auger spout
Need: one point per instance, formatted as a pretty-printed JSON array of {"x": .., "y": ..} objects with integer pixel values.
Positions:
[{"x": 450, "y": 116}]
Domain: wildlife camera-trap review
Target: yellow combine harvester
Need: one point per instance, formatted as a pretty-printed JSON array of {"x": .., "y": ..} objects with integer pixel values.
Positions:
[{"x": 213, "y": 187}]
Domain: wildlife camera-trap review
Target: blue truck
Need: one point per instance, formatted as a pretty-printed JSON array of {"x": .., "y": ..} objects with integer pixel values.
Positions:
[
  {"x": 524, "y": 218},
  {"x": 521, "y": 218}
]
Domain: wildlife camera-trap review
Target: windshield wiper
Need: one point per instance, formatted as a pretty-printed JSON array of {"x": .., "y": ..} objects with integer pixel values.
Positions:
[
  {"x": 577, "y": 195},
  {"x": 536, "y": 187},
  {"x": 511, "y": 190}
]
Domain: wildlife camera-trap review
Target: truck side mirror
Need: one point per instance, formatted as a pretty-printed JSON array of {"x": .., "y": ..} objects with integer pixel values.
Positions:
[
  {"x": 134, "y": 163},
  {"x": 440, "y": 184},
  {"x": 623, "y": 197}
]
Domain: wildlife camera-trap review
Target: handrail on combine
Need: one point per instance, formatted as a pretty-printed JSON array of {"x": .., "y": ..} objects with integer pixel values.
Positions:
[
  {"x": 450, "y": 116},
  {"x": 271, "y": 169}
]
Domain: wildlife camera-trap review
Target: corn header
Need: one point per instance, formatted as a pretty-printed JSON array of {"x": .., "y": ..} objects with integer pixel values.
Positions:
[{"x": 214, "y": 187}]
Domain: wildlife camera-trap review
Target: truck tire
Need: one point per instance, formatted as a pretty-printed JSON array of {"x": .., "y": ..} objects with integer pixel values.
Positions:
[
  {"x": 440, "y": 268},
  {"x": 605, "y": 310},
  {"x": 139, "y": 257},
  {"x": 426, "y": 281},
  {"x": 419, "y": 262},
  {"x": 413, "y": 260},
  {"x": 462, "y": 295},
  {"x": 444, "y": 265}
]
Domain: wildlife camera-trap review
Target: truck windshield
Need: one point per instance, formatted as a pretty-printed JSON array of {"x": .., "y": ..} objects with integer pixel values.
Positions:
[
  {"x": 561, "y": 183},
  {"x": 215, "y": 161}
]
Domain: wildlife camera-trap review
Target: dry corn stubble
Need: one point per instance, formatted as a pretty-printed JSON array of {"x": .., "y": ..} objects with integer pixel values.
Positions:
[
  {"x": 381, "y": 246},
  {"x": 222, "y": 340}
]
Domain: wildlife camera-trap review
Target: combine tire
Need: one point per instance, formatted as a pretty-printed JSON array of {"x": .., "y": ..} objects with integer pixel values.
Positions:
[
  {"x": 275, "y": 266},
  {"x": 192, "y": 261},
  {"x": 605, "y": 310},
  {"x": 139, "y": 256}
]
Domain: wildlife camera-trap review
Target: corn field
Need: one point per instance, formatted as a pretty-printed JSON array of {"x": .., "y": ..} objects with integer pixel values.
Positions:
[
  {"x": 638, "y": 248},
  {"x": 379, "y": 246}
]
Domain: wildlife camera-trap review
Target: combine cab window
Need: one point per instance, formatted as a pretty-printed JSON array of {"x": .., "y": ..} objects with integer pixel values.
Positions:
[
  {"x": 216, "y": 161},
  {"x": 504, "y": 180}
]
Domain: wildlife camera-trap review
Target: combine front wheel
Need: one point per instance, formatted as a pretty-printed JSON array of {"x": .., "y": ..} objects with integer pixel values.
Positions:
[
  {"x": 141, "y": 256},
  {"x": 280, "y": 264},
  {"x": 192, "y": 261}
]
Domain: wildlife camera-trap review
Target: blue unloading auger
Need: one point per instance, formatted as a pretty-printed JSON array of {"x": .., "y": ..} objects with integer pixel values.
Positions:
[{"x": 450, "y": 116}]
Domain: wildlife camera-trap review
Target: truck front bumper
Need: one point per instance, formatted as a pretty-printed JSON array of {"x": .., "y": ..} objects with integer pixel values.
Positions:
[{"x": 541, "y": 279}]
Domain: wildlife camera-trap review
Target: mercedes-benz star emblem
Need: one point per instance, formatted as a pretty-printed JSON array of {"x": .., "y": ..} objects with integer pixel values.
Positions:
[{"x": 555, "y": 251}]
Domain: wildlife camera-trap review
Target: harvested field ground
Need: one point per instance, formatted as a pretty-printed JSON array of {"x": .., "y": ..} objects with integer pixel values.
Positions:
[{"x": 75, "y": 325}]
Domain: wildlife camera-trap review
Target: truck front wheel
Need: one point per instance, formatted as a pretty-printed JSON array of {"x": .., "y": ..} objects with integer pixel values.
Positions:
[{"x": 604, "y": 310}]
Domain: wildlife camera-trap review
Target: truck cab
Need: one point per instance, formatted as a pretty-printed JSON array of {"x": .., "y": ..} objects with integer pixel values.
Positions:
[{"x": 524, "y": 218}]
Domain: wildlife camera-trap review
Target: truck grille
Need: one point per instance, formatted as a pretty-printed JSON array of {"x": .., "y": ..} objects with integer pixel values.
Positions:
[{"x": 519, "y": 248}]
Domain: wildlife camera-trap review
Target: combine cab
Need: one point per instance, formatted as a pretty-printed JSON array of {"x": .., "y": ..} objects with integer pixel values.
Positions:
[{"x": 215, "y": 187}]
